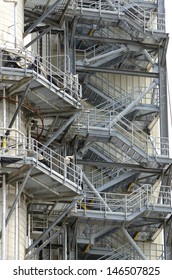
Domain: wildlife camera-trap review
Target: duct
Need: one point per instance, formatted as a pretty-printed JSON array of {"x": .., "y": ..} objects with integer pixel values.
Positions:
[
  {"x": 133, "y": 243},
  {"x": 17, "y": 196},
  {"x": 41, "y": 18},
  {"x": 92, "y": 188},
  {"x": 134, "y": 102},
  {"x": 3, "y": 240}
]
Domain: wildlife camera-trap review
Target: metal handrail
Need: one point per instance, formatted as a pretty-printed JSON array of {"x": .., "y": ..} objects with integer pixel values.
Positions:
[
  {"x": 99, "y": 177},
  {"x": 148, "y": 20},
  {"x": 127, "y": 251},
  {"x": 144, "y": 197},
  {"x": 104, "y": 120},
  {"x": 29, "y": 62},
  {"x": 121, "y": 96},
  {"x": 22, "y": 147}
]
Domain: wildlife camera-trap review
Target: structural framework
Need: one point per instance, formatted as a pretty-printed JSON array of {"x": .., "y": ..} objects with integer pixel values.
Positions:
[{"x": 85, "y": 164}]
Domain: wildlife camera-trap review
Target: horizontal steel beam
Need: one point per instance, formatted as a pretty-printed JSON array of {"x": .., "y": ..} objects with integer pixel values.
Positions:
[
  {"x": 83, "y": 69},
  {"x": 119, "y": 41},
  {"x": 126, "y": 165}
]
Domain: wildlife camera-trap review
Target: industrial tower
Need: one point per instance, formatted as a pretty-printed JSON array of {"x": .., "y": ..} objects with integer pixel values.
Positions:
[{"x": 85, "y": 163}]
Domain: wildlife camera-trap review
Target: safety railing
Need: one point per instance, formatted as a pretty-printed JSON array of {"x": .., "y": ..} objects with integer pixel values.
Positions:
[
  {"x": 119, "y": 95},
  {"x": 112, "y": 121},
  {"x": 21, "y": 147},
  {"x": 99, "y": 177},
  {"x": 97, "y": 52},
  {"x": 109, "y": 88},
  {"x": 148, "y": 20},
  {"x": 110, "y": 32},
  {"x": 127, "y": 204},
  {"x": 125, "y": 252},
  {"x": 152, "y": 251},
  {"x": 29, "y": 62},
  {"x": 110, "y": 151}
]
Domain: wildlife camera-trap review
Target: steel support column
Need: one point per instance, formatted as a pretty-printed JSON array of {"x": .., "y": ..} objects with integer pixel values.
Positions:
[
  {"x": 17, "y": 110},
  {"x": 42, "y": 17},
  {"x": 65, "y": 242},
  {"x": 60, "y": 130},
  {"x": 92, "y": 188},
  {"x": 18, "y": 196},
  {"x": 133, "y": 243},
  {"x": 3, "y": 237},
  {"x": 16, "y": 239},
  {"x": 53, "y": 224},
  {"x": 134, "y": 102}
]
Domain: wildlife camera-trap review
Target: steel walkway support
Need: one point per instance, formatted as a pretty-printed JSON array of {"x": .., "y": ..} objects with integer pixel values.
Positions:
[
  {"x": 92, "y": 188},
  {"x": 41, "y": 18},
  {"x": 60, "y": 130},
  {"x": 53, "y": 224},
  {"x": 133, "y": 243},
  {"x": 135, "y": 101},
  {"x": 18, "y": 196}
]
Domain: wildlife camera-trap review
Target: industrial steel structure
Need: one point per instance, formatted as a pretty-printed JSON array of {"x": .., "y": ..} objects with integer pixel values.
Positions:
[{"x": 84, "y": 146}]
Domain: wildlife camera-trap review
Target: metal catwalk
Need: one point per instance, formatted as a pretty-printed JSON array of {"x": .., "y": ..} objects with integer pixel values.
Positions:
[{"x": 85, "y": 154}]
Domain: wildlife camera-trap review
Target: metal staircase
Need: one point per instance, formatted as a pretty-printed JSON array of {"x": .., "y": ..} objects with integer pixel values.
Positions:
[
  {"x": 98, "y": 55},
  {"x": 104, "y": 94},
  {"x": 125, "y": 135}
]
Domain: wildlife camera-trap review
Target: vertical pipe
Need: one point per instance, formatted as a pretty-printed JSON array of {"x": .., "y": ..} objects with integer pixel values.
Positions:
[
  {"x": 4, "y": 109},
  {"x": 3, "y": 239},
  {"x": 17, "y": 127},
  {"x": 16, "y": 239},
  {"x": 65, "y": 243}
]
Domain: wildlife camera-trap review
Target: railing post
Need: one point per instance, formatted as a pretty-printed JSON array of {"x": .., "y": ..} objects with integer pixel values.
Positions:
[
  {"x": 100, "y": 7},
  {"x": 50, "y": 161},
  {"x": 126, "y": 206},
  {"x": 132, "y": 135},
  {"x": 0, "y": 59},
  {"x": 65, "y": 170},
  {"x": 85, "y": 203},
  {"x": 105, "y": 198},
  {"x": 140, "y": 195},
  {"x": 110, "y": 122},
  {"x": 88, "y": 119}
]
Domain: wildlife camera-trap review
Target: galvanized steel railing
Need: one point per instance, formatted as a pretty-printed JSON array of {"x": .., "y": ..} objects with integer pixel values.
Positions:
[
  {"x": 28, "y": 63},
  {"x": 148, "y": 20},
  {"x": 145, "y": 197},
  {"x": 112, "y": 122},
  {"x": 22, "y": 148}
]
